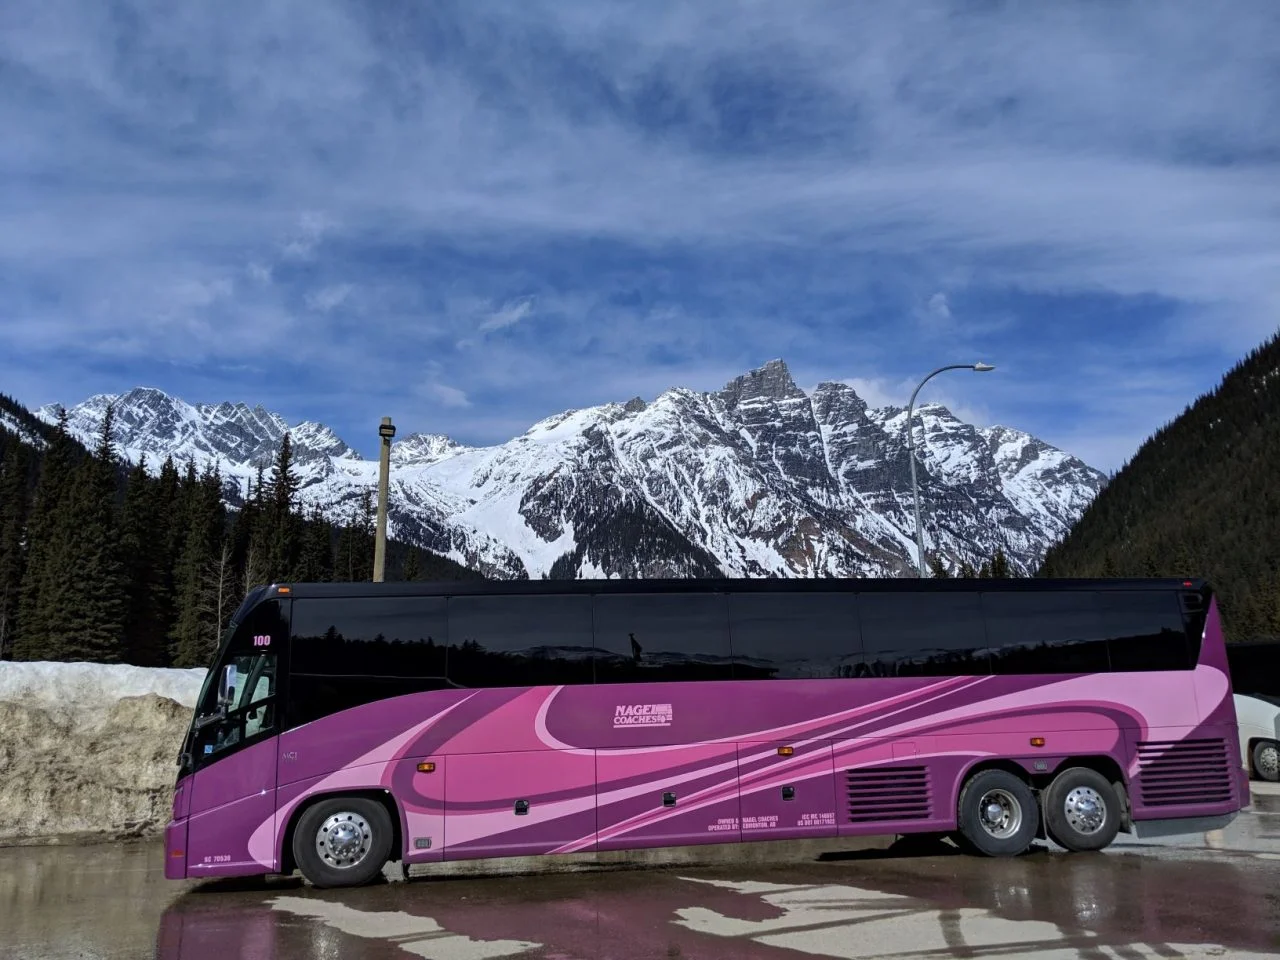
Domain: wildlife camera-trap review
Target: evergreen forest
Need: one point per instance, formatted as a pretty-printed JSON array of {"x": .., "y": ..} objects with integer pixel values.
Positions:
[
  {"x": 104, "y": 562},
  {"x": 1201, "y": 498}
]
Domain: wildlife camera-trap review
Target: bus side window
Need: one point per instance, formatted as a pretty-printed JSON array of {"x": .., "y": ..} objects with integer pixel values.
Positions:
[
  {"x": 1045, "y": 631},
  {"x": 658, "y": 637},
  {"x": 1144, "y": 630},
  {"x": 787, "y": 636},
  {"x": 924, "y": 634},
  {"x": 520, "y": 641}
]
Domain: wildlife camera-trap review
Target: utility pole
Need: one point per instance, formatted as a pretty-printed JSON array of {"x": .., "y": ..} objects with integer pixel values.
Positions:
[{"x": 386, "y": 431}]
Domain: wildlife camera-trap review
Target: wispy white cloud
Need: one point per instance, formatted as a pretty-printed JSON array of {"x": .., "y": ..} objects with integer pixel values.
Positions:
[
  {"x": 302, "y": 242},
  {"x": 640, "y": 194},
  {"x": 937, "y": 309},
  {"x": 445, "y": 395},
  {"x": 329, "y": 298},
  {"x": 508, "y": 315}
]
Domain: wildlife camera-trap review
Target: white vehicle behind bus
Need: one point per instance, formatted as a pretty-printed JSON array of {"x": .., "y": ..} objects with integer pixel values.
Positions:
[{"x": 1259, "y": 719}]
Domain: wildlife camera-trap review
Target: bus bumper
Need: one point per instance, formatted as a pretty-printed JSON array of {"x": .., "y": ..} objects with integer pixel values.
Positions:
[{"x": 175, "y": 850}]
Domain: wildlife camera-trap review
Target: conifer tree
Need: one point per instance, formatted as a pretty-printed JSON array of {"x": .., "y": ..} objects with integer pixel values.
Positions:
[
  {"x": 366, "y": 533},
  {"x": 281, "y": 539},
  {"x": 413, "y": 566},
  {"x": 88, "y": 621},
  {"x": 13, "y": 520},
  {"x": 41, "y": 591},
  {"x": 315, "y": 563},
  {"x": 937, "y": 569},
  {"x": 355, "y": 543},
  {"x": 199, "y": 621},
  {"x": 1000, "y": 565},
  {"x": 148, "y": 608},
  {"x": 243, "y": 528},
  {"x": 966, "y": 570}
]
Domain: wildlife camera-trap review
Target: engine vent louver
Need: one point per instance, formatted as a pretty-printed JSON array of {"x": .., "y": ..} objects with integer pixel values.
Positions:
[
  {"x": 1183, "y": 772},
  {"x": 889, "y": 794}
]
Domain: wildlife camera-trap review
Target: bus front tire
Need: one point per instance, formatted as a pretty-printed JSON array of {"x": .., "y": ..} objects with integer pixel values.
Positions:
[
  {"x": 1081, "y": 810},
  {"x": 342, "y": 841},
  {"x": 998, "y": 814}
]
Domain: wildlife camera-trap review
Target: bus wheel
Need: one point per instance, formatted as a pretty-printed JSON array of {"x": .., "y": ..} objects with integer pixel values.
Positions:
[
  {"x": 1266, "y": 760},
  {"x": 1081, "y": 810},
  {"x": 342, "y": 841},
  {"x": 998, "y": 815}
]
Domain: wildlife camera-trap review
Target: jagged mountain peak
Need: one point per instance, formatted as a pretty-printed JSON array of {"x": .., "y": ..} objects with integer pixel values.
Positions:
[
  {"x": 150, "y": 421},
  {"x": 831, "y": 396},
  {"x": 756, "y": 479},
  {"x": 317, "y": 440},
  {"x": 420, "y": 449},
  {"x": 770, "y": 382}
]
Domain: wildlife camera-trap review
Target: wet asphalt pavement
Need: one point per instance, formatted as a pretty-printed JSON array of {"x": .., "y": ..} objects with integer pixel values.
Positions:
[{"x": 1135, "y": 902}]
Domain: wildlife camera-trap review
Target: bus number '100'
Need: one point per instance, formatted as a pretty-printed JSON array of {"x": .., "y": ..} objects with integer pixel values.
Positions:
[{"x": 262, "y": 640}]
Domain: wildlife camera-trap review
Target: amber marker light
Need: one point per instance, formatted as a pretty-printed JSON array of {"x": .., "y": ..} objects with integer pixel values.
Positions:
[
  {"x": 427, "y": 767},
  {"x": 1037, "y": 741},
  {"x": 786, "y": 751}
]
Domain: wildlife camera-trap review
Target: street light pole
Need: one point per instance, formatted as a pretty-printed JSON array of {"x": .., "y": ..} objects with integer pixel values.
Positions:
[
  {"x": 911, "y": 446},
  {"x": 386, "y": 431}
]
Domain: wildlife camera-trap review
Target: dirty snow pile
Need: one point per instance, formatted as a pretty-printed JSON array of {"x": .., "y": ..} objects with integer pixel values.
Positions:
[{"x": 88, "y": 749}]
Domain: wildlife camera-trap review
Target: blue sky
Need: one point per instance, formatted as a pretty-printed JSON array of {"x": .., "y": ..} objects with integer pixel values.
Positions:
[{"x": 472, "y": 215}]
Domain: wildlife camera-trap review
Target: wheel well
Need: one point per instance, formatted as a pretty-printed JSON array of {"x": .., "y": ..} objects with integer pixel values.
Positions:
[
  {"x": 1008, "y": 766},
  {"x": 1103, "y": 765},
  {"x": 1040, "y": 781},
  {"x": 287, "y": 862}
]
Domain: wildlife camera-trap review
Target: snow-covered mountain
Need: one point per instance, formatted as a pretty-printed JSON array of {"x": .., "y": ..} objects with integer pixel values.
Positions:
[{"x": 757, "y": 479}]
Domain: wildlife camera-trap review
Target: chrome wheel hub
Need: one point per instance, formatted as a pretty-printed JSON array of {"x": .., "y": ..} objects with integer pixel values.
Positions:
[
  {"x": 343, "y": 840},
  {"x": 1000, "y": 814},
  {"x": 1085, "y": 810}
]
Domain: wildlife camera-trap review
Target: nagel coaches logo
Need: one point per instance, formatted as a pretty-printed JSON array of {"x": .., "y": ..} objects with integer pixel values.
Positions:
[{"x": 643, "y": 715}]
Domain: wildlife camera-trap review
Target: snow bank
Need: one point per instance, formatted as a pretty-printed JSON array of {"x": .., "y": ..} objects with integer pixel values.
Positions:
[
  {"x": 88, "y": 750},
  {"x": 94, "y": 687}
]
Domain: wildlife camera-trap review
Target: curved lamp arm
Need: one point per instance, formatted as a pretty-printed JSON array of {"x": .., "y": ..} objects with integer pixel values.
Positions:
[{"x": 911, "y": 447}]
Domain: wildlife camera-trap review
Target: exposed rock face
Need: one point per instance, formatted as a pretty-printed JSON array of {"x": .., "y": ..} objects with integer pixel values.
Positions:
[{"x": 756, "y": 479}]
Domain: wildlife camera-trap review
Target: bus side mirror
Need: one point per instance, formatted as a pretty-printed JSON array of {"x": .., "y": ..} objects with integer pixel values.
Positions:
[{"x": 227, "y": 685}]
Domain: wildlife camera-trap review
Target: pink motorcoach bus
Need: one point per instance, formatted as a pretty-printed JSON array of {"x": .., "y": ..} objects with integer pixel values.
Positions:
[{"x": 346, "y": 725}]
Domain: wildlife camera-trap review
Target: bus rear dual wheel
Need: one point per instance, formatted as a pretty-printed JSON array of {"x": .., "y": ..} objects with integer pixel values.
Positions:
[{"x": 999, "y": 815}]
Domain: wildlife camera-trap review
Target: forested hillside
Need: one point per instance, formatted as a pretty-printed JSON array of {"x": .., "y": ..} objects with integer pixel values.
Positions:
[
  {"x": 1201, "y": 497},
  {"x": 103, "y": 562}
]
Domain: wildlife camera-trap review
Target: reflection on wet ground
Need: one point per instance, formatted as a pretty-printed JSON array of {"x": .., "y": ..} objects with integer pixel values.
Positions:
[
  {"x": 97, "y": 901},
  {"x": 933, "y": 903}
]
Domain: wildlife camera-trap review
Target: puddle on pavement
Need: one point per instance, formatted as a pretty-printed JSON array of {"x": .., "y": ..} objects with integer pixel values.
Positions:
[{"x": 113, "y": 902}]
